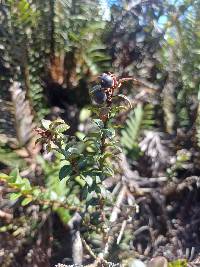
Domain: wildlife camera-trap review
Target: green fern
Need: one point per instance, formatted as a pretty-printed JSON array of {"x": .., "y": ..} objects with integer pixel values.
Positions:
[
  {"x": 24, "y": 50},
  {"x": 140, "y": 119},
  {"x": 182, "y": 60},
  {"x": 78, "y": 29}
]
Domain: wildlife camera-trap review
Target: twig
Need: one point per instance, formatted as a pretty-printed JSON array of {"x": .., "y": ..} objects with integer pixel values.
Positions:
[
  {"x": 192, "y": 253},
  {"x": 6, "y": 215},
  {"x": 77, "y": 248},
  {"x": 116, "y": 189},
  {"x": 141, "y": 229},
  {"x": 121, "y": 231},
  {"x": 113, "y": 218},
  {"x": 48, "y": 202},
  {"x": 77, "y": 244},
  {"x": 99, "y": 260},
  {"x": 88, "y": 249},
  {"x": 149, "y": 87},
  {"x": 174, "y": 187},
  {"x": 116, "y": 209}
]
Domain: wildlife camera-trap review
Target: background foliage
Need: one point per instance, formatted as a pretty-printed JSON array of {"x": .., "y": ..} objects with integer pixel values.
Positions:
[{"x": 51, "y": 53}]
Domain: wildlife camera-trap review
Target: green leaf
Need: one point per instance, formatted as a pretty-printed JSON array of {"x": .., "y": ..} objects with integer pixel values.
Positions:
[
  {"x": 93, "y": 202},
  {"x": 46, "y": 124},
  {"x": 36, "y": 192},
  {"x": 104, "y": 192},
  {"x": 98, "y": 180},
  {"x": 80, "y": 135},
  {"x": 99, "y": 123},
  {"x": 107, "y": 155},
  {"x": 88, "y": 179},
  {"x": 84, "y": 114},
  {"x": 92, "y": 134},
  {"x": 85, "y": 192},
  {"x": 66, "y": 170},
  {"x": 14, "y": 196},
  {"x": 62, "y": 128},
  {"x": 17, "y": 180},
  {"x": 178, "y": 263},
  {"x": 109, "y": 171},
  {"x": 26, "y": 201},
  {"x": 4, "y": 176},
  {"x": 15, "y": 174},
  {"x": 63, "y": 214},
  {"x": 109, "y": 133},
  {"x": 72, "y": 151},
  {"x": 53, "y": 195},
  {"x": 26, "y": 184},
  {"x": 80, "y": 180}
]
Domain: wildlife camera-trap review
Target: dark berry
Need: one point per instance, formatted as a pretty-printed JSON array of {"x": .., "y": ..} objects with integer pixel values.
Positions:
[
  {"x": 106, "y": 80},
  {"x": 98, "y": 95}
]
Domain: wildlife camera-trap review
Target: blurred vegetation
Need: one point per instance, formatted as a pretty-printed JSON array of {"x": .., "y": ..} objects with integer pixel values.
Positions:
[{"x": 51, "y": 54}]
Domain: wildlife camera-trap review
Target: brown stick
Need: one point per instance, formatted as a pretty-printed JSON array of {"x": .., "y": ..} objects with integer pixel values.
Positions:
[
  {"x": 5, "y": 215},
  {"x": 113, "y": 218}
]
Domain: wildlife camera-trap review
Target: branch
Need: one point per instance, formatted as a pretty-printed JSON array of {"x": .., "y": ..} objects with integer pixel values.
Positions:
[
  {"x": 113, "y": 218},
  {"x": 44, "y": 202},
  {"x": 5, "y": 215}
]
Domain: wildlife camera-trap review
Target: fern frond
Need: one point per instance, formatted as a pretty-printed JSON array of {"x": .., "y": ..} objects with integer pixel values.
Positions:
[
  {"x": 141, "y": 118},
  {"x": 130, "y": 134},
  {"x": 16, "y": 120},
  {"x": 78, "y": 31},
  {"x": 183, "y": 63},
  {"x": 24, "y": 48},
  {"x": 22, "y": 114}
]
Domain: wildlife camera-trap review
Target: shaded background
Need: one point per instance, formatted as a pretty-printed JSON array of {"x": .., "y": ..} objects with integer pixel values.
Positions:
[{"x": 55, "y": 50}]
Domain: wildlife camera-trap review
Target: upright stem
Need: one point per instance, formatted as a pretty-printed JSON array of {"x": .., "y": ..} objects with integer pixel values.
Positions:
[{"x": 103, "y": 138}]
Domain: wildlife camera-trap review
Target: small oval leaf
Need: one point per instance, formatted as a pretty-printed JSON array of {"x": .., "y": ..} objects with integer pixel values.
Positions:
[{"x": 66, "y": 170}]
